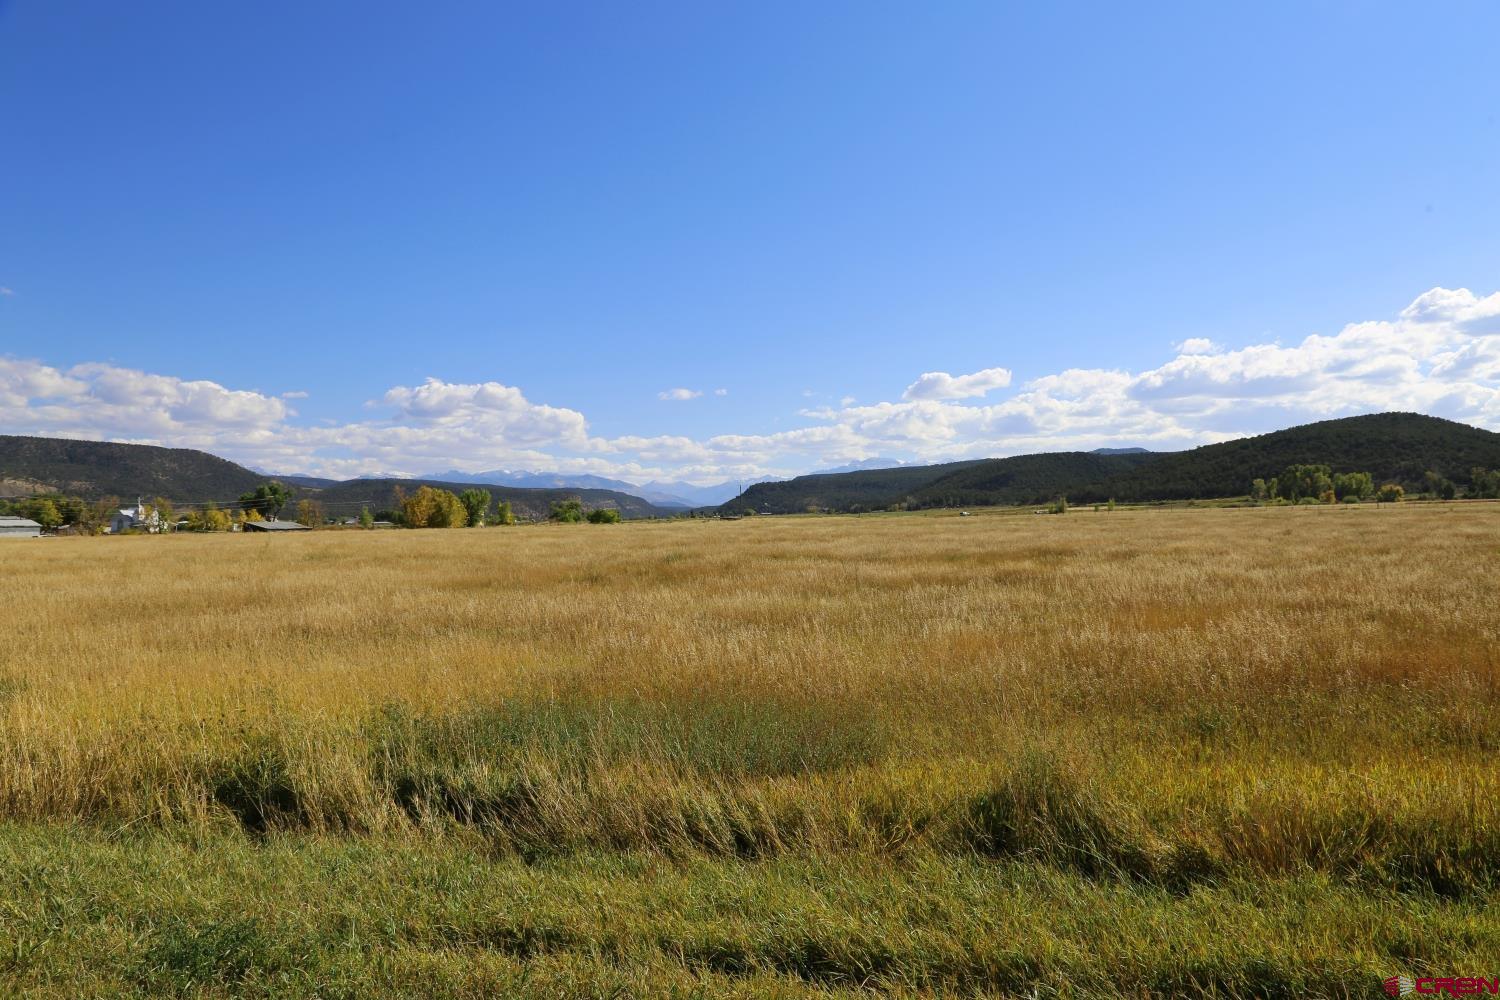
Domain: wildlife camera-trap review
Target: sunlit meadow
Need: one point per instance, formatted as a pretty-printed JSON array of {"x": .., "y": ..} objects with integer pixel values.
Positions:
[{"x": 1224, "y": 751}]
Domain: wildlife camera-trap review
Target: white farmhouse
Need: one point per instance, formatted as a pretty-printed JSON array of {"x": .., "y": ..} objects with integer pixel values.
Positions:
[{"x": 138, "y": 518}]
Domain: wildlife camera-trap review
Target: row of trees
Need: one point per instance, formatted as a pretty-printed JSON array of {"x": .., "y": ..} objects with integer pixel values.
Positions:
[
  {"x": 571, "y": 512},
  {"x": 1317, "y": 484},
  {"x": 89, "y": 517},
  {"x": 54, "y": 510},
  {"x": 93, "y": 517},
  {"x": 431, "y": 507},
  {"x": 427, "y": 507}
]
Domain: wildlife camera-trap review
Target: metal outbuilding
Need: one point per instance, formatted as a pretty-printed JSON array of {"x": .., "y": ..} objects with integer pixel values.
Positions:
[{"x": 19, "y": 527}]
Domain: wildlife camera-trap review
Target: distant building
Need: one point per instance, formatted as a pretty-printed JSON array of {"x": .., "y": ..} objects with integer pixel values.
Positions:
[
  {"x": 19, "y": 527},
  {"x": 137, "y": 518},
  {"x": 274, "y": 526}
]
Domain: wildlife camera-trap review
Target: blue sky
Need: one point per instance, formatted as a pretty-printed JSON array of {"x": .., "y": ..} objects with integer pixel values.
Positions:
[{"x": 353, "y": 238}]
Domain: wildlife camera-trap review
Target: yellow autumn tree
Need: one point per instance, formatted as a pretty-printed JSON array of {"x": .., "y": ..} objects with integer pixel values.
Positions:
[{"x": 430, "y": 507}]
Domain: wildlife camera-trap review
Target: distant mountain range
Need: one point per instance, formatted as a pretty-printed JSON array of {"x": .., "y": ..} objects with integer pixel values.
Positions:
[
  {"x": 528, "y": 503},
  {"x": 662, "y": 494},
  {"x": 1392, "y": 447},
  {"x": 861, "y": 466}
]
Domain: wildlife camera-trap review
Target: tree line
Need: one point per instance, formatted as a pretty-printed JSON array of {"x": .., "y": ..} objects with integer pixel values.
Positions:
[
  {"x": 1302, "y": 484},
  {"x": 426, "y": 507},
  {"x": 434, "y": 507}
]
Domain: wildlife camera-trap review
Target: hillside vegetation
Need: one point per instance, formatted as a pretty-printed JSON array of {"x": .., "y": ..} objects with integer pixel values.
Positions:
[
  {"x": 1145, "y": 753},
  {"x": 1028, "y": 479},
  {"x": 1393, "y": 447},
  {"x": 91, "y": 470},
  {"x": 528, "y": 504},
  {"x": 94, "y": 469},
  {"x": 867, "y": 489}
]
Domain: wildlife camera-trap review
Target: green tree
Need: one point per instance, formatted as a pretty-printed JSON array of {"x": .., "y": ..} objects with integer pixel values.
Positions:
[
  {"x": 1355, "y": 485},
  {"x": 1298, "y": 481},
  {"x": 1257, "y": 489},
  {"x": 1439, "y": 487},
  {"x": 366, "y": 519},
  {"x": 476, "y": 504},
  {"x": 268, "y": 498},
  {"x": 1390, "y": 493},
  {"x": 1484, "y": 483},
  {"x": 568, "y": 511},
  {"x": 45, "y": 513},
  {"x": 604, "y": 515},
  {"x": 503, "y": 513}
]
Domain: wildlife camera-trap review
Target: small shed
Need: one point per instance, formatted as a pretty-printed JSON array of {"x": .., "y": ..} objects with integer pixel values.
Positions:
[
  {"x": 274, "y": 526},
  {"x": 19, "y": 527}
]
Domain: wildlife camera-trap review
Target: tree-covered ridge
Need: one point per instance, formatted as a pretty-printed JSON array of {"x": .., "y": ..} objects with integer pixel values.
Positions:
[
  {"x": 1030, "y": 479},
  {"x": 94, "y": 469},
  {"x": 1395, "y": 448},
  {"x": 867, "y": 489}
]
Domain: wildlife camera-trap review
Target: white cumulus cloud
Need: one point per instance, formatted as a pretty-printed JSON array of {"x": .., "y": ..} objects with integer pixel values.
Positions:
[
  {"x": 941, "y": 385},
  {"x": 1440, "y": 355},
  {"x": 679, "y": 394}
]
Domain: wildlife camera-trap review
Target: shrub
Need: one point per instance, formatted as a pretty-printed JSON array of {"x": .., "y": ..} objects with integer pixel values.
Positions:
[
  {"x": 604, "y": 515},
  {"x": 568, "y": 511}
]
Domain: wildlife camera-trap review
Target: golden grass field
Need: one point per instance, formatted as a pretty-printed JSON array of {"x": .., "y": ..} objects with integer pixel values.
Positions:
[{"x": 1235, "y": 752}]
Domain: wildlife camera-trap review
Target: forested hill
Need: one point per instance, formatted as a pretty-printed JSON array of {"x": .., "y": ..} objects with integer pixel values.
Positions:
[
  {"x": 1392, "y": 447},
  {"x": 345, "y": 499},
  {"x": 95, "y": 469},
  {"x": 1031, "y": 478},
  {"x": 867, "y": 489}
]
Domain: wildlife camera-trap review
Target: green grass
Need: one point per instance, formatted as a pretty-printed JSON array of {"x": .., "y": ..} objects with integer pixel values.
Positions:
[{"x": 152, "y": 915}]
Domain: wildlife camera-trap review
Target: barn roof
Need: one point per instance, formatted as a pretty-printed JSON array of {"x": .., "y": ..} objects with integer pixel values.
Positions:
[
  {"x": 275, "y": 526},
  {"x": 7, "y": 521}
]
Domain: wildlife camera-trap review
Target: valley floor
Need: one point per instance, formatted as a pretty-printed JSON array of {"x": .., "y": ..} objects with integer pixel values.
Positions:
[{"x": 1229, "y": 752}]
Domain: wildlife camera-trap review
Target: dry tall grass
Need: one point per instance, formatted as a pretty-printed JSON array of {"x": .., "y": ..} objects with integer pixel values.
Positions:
[{"x": 1157, "y": 695}]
